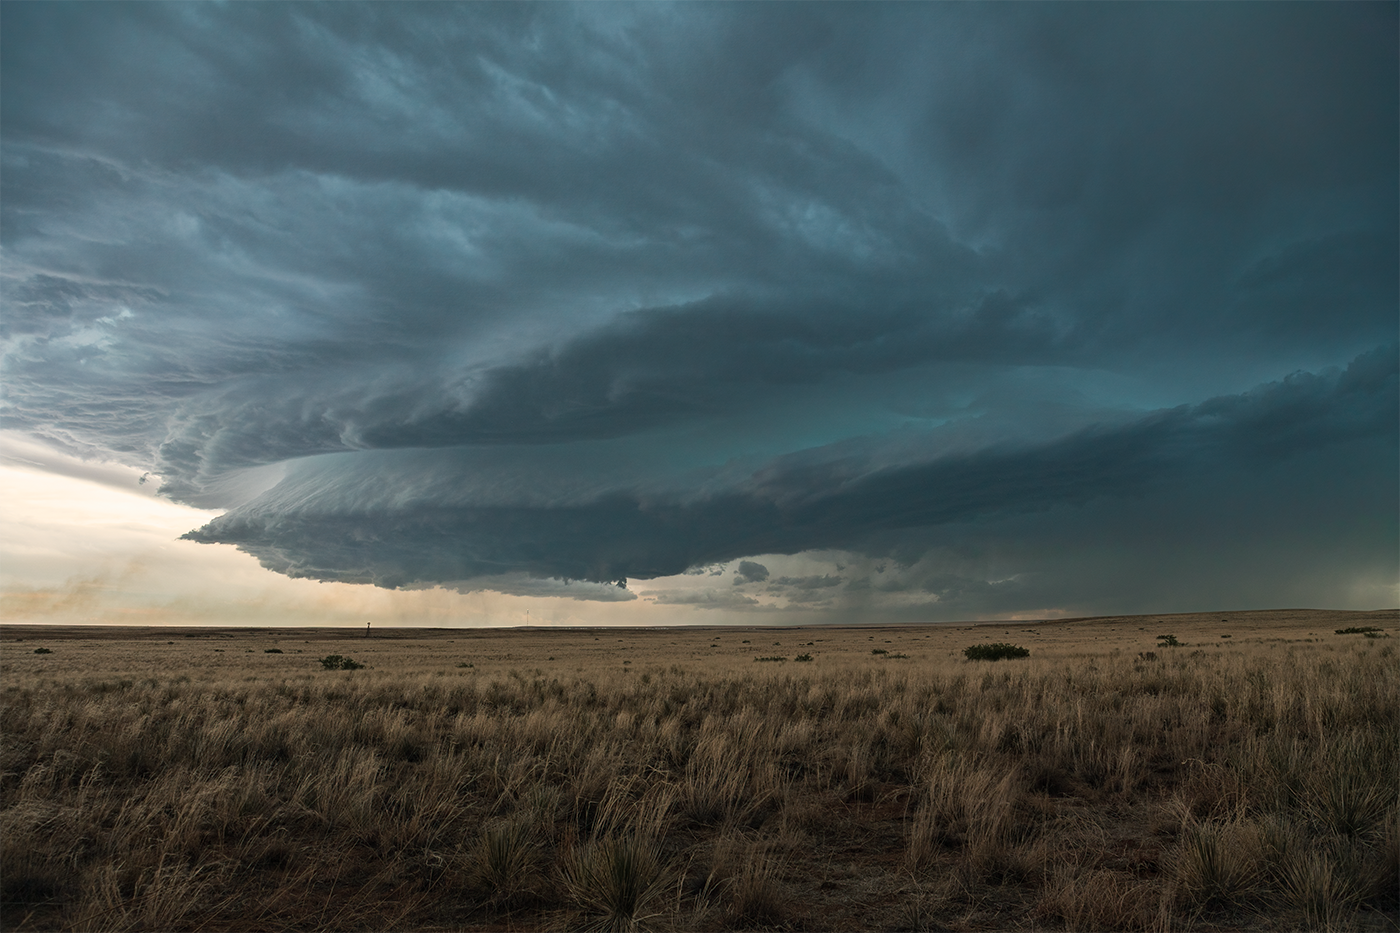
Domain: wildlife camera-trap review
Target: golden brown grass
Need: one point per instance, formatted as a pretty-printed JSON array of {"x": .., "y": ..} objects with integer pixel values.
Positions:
[{"x": 644, "y": 780}]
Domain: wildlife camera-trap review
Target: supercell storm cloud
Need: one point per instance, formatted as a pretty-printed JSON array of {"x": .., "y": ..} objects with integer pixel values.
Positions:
[{"x": 1004, "y": 306}]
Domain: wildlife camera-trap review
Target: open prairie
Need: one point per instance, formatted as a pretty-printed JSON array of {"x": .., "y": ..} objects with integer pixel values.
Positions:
[{"x": 1212, "y": 771}]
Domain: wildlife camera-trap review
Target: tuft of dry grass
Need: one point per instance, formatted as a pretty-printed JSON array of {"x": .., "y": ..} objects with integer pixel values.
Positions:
[
  {"x": 1098, "y": 900},
  {"x": 748, "y": 879}
]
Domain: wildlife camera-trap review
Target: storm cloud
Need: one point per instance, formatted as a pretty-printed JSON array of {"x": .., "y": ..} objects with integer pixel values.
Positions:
[
  {"x": 452, "y": 516},
  {"x": 543, "y": 299}
]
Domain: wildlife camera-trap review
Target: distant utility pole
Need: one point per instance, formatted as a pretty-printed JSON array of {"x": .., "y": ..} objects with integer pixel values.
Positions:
[{"x": 366, "y": 628}]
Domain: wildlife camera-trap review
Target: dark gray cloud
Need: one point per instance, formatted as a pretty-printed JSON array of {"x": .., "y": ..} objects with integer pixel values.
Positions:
[
  {"x": 750, "y": 572},
  {"x": 515, "y": 293},
  {"x": 452, "y": 517}
]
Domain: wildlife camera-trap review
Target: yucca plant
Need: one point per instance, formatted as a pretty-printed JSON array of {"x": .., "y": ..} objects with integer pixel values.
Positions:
[
  {"x": 618, "y": 883},
  {"x": 1349, "y": 804},
  {"x": 1314, "y": 885},
  {"x": 504, "y": 864},
  {"x": 1215, "y": 865}
]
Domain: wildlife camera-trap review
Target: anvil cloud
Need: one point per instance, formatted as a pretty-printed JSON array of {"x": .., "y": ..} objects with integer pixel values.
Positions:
[{"x": 976, "y": 309}]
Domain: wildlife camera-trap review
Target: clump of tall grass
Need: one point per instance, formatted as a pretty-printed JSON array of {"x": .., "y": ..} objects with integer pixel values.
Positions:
[
  {"x": 743, "y": 886},
  {"x": 964, "y": 806},
  {"x": 168, "y": 895}
]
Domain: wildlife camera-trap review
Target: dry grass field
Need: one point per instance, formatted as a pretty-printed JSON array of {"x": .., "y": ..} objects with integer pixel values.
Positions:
[{"x": 849, "y": 778}]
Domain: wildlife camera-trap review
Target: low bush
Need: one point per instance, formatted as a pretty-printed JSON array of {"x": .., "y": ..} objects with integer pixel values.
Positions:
[
  {"x": 42, "y": 651},
  {"x": 803, "y": 657},
  {"x": 995, "y": 652},
  {"x": 272, "y": 651},
  {"x": 1360, "y": 630},
  {"x": 1168, "y": 641},
  {"x": 773, "y": 658},
  {"x": 335, "y": 662}
]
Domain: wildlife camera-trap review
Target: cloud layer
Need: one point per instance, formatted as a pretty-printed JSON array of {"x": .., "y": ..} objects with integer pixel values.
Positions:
[
  {"x": 498, "y": 296},
  {"x": 336, "y": 518}
]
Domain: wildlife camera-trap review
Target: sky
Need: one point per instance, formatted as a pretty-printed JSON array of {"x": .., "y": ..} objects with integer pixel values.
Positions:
[{"x": 482, "y": 314}]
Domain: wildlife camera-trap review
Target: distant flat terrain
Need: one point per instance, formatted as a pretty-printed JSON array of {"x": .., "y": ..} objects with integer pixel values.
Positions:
[{"x": 152, "y": 650}]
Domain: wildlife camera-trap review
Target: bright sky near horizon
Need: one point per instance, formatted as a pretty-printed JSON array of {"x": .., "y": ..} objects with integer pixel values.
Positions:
[
  {"x": 84, "y": 549},
  {"x": 85, "y": 542},
  {"x": 617, "y": 313}
]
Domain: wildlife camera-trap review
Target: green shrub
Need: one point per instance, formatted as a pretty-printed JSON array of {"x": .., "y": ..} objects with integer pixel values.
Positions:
[
  {"x": 42, "y": 651},
  {"x": 1168, "y": 641},
  {"x": 878, "y": 651},
  {"x": 772, "y": 658},
  {"x": 803, "y": 657},
  {"x": 1359, "y": 630},
  {"x": 335, "y": 662},
  {"x": 995, "y": 652},
  {"x": 272, "y": 651}
]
